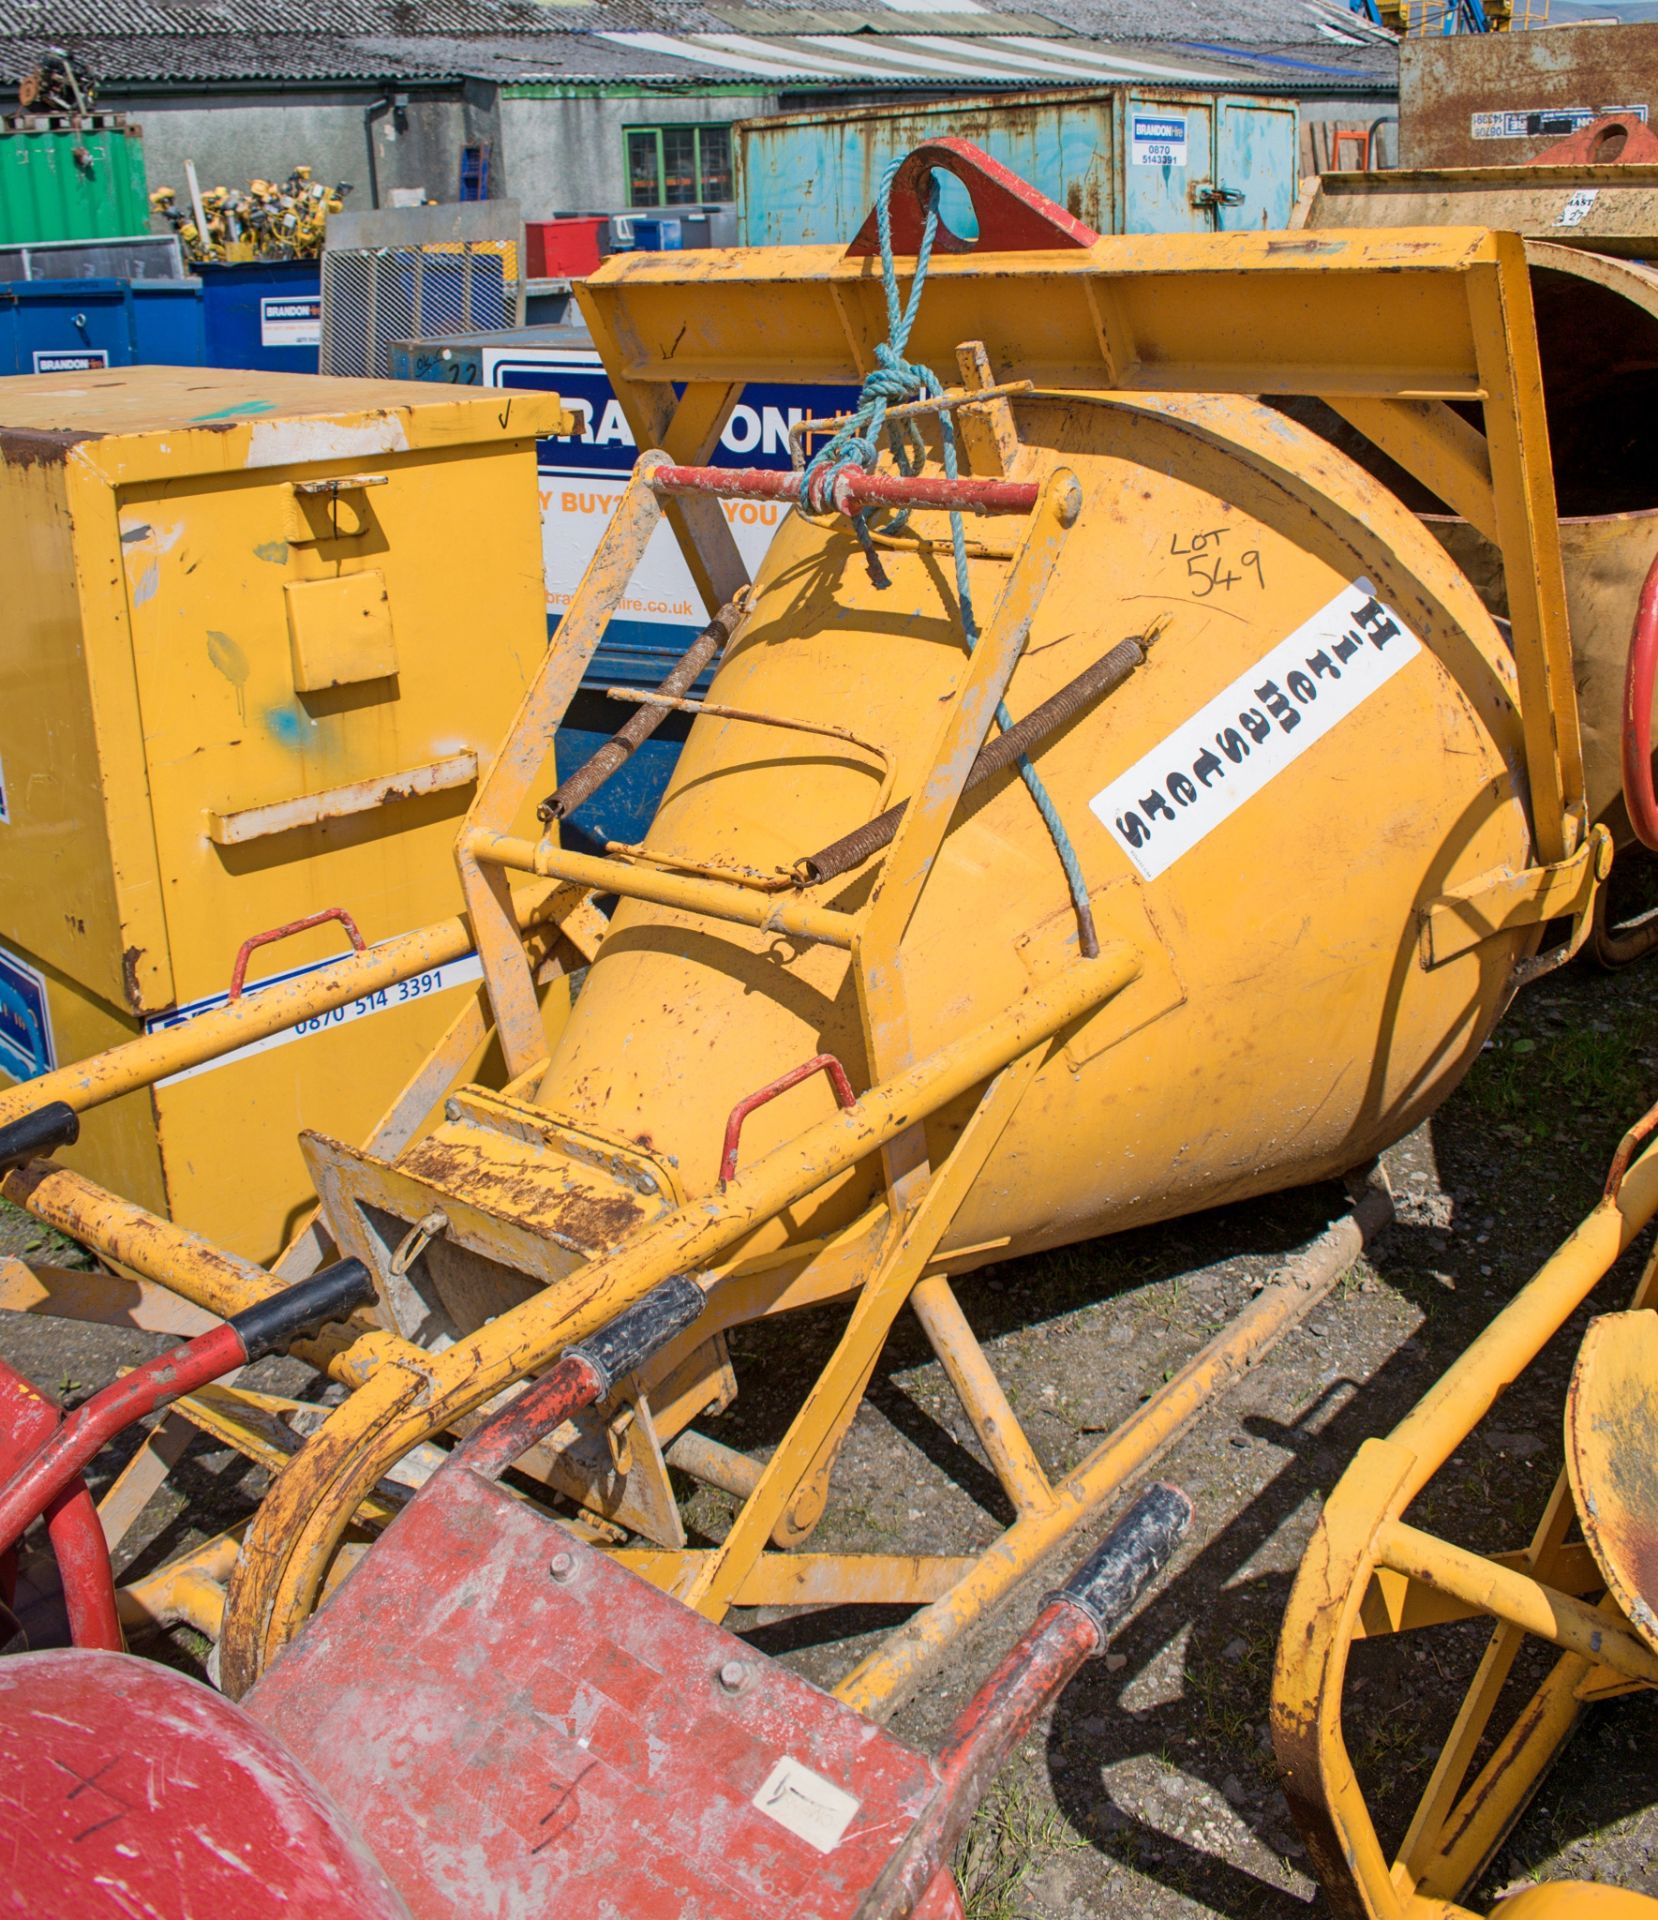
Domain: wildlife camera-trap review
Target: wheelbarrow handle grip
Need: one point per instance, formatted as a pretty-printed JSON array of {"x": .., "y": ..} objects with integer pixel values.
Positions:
[
  {"x": 37, "y": 1134},
  {"x": 304, "y": 1308},
  {"x": 1133, "y": 1553},
  {"x": 628, "y": 1341},
  {"x": 586, "y": 1375}
]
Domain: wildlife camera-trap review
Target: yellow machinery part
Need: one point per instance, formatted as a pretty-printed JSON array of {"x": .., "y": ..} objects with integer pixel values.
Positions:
[
  {"x": 1367, "y": 1572},
  {"x": 238, "y": 690},
  {"x": 1304, "y": 975}
]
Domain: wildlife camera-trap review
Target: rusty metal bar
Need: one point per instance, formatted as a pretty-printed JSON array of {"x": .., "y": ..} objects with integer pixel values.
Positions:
[
  {"x": 1507, "y": 1594},
  {"x": 851, "y": 489},
  {"x": 1104, "y": 676},
  {"x": 593, "y": 773}
]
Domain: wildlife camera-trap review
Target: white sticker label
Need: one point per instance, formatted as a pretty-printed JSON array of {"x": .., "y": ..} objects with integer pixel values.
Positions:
[
  {"x": 1158, "y": 140},
  {"x": 813, "y": 1809},
  {"x": 70, "y": 359},
  {"x": 291, "y": 320},
  {"x": 1577, "y": 207},
  {"x": 454, "y": 973},
  {"x": 1177, "y": 794}
]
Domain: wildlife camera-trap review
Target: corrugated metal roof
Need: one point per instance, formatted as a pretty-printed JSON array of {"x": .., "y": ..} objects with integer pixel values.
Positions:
[{"x": 775, "y": 44}]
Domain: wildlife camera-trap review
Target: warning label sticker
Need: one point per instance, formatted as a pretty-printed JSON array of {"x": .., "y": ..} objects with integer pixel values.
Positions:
[
  {"x": 1158, "y": 140},
  {"x": 1246, "y": 736}
]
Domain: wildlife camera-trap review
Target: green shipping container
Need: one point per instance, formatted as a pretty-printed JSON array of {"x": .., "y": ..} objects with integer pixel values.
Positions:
[{"x": 60, "y": 182}]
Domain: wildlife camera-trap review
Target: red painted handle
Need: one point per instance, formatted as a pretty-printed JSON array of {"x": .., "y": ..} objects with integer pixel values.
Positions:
[
  {"x": 1013, "y": 217},
  {"x": 819, "y": 1063},
  {"x": 244, "y": 953},
  {"x": 1638, "y": 795}
]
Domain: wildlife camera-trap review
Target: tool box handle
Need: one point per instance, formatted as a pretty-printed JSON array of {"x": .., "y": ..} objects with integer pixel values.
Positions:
[{"x": 245, "y": 952}]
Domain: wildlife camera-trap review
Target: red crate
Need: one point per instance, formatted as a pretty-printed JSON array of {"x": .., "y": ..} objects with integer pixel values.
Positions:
[{"x": 565, "y": 249}]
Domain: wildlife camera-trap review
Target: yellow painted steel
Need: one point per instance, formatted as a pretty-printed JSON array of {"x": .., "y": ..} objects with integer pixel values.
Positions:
[
  {"x": 1368, "y": 1572},
  {"x": 234, "y": 603},
  {"x": 1297, "y": 982}
]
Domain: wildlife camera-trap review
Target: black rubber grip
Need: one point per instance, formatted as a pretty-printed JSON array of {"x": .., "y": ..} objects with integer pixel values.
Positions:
[
  {"x": 633, "y": 1336},
  {"x": 306, "y": 1307},
  {"x": 38, "y": 1134},
  {"x": 1130, "y": 1557}
]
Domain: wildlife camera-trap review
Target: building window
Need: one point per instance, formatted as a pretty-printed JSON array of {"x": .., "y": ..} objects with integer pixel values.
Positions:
[{"x": 678, "y": 166}]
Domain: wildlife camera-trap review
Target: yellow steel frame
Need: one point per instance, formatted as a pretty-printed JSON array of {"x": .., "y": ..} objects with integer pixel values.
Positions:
[
  {"x": 1368, "y": 1572},
  {"x": 1389, "y": 328}
]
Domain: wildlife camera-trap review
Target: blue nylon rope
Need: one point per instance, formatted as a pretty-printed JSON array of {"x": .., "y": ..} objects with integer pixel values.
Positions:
[{"x": 893, "y": 380}]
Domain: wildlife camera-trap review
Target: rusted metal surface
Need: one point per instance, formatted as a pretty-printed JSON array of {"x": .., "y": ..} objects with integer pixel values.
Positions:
[
  {"x": 819, "y": 1063},
  {"x": 306, "y": 1512},
  {"x": 1639, "y": 679},
  {"x": 1502, "y": 99},
  {"x": 140, "y": 1790},
  {"x": 340, "y": 803},
  {"x": 850, "y": 489},
  {"x": 1107, "y": 674},
  {"x": 1622, "y": 139},
  {"x": 1612, "y": 1458},
  {"x": 587, "y": 780}
]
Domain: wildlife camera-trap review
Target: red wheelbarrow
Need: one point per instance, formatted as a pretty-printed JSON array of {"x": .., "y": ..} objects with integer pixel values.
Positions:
[{"x": 492, "y": 1718}]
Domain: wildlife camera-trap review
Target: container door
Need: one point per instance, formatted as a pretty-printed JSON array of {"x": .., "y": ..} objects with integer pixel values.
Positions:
[
  {"x": 1257, "y": 147},
  {"x": 1168, "y": 149},
  {"x": 72, "y": 326}
]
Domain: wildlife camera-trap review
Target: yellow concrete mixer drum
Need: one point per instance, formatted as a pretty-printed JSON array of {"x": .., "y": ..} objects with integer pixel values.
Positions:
[{"x": 1321, "y": 742}]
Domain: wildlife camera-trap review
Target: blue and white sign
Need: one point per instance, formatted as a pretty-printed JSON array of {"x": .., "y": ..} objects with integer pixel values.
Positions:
[
  {"x": 584, "y": 475},
  {"x": 290, "y": 320},
  {"x": 25, "y": 1025},
  {"x": 70, "y": 359},
  {"x": 1158, "y": 140}
]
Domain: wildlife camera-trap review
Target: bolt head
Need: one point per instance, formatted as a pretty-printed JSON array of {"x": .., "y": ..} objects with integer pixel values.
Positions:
[
  {"x": 732, "y": 1675},
  {"x": 562, "y": 1566},
  {"x": 451, "y": 1109}
]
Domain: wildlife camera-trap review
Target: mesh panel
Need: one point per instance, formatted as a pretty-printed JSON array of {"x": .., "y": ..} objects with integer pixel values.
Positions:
[{"x": 373, "y": 297}]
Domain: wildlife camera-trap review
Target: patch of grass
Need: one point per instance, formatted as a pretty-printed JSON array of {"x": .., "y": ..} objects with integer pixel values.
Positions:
[
  {"x": 1538, "y": 1083},
  {"x": 1009, "y": 1838}
]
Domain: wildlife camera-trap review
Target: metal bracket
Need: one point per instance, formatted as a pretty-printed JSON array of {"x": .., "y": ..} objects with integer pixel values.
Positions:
[{"x": 1500, "y": 902}]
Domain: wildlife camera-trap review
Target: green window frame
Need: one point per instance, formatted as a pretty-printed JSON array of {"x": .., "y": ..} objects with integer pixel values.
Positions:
[{"x": 681, "y": 163}]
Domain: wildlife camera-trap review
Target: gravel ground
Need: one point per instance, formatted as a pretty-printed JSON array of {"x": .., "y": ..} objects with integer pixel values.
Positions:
[{"x": 1150, "y": 1789}]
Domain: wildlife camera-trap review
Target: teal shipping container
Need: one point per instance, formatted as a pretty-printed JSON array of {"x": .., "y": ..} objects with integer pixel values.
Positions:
[
  {"x": 1125, "y": 159},
  {"x": 63, "y": 181}
]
